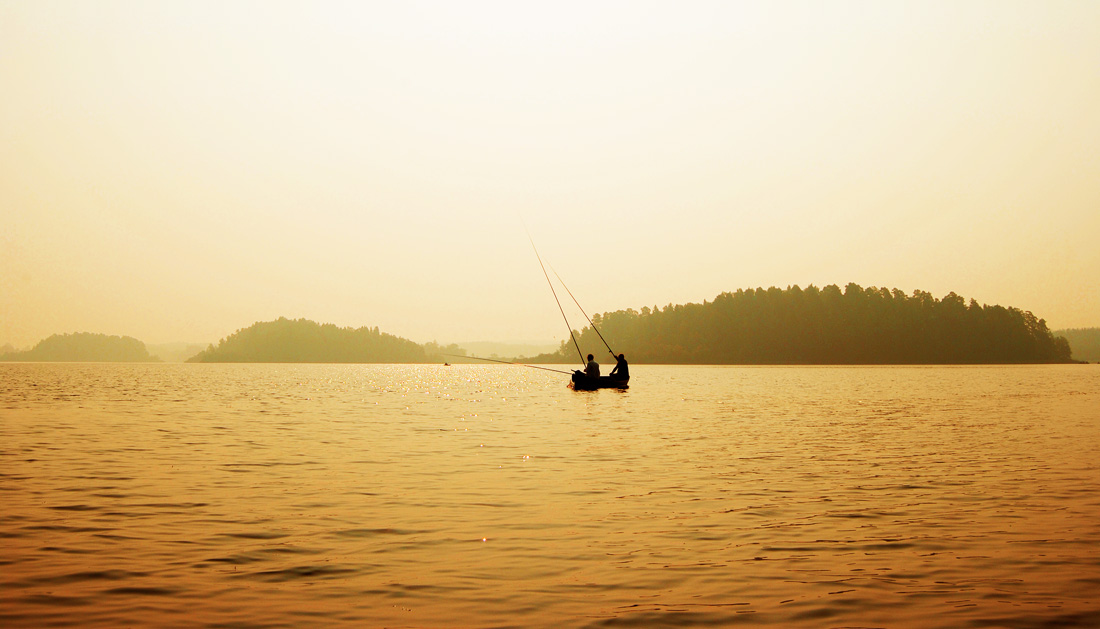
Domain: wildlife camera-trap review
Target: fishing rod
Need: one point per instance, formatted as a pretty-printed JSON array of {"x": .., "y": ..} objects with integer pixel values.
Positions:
[
  {"x": 594, "y": 328},
  {"x": 506, "y": 362},
  {"x": 551, "y": 284}
]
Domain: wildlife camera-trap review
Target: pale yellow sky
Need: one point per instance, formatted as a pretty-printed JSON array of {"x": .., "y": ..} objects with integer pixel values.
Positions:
[{"x": 174, "y": 171}]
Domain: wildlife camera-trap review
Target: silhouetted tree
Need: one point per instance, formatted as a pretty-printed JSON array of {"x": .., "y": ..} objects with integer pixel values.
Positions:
[{"x": 1085, "y": 342}]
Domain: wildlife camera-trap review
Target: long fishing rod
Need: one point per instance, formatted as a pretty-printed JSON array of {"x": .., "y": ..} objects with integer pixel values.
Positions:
[
  {"x": 506, "y": 362},
  {"x": 551, "y": 284},
  {"x": 597, "y": 330}
]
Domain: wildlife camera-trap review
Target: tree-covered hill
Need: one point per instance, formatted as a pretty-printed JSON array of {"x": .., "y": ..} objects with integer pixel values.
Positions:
[
  {"x": 84, "y": 347},
  {"x": 305, "y": 341},
  {"x": 1083, "y": 342},
  {"x": 822, "y": 326}
]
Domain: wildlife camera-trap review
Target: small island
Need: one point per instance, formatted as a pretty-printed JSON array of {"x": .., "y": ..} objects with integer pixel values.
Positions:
[
  {"x": 304, "y": 341},
  {"x": 84, "y": 347}
]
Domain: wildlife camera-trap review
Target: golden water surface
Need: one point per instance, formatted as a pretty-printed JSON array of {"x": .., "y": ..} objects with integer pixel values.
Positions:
[{"x": 493, "y": 496}]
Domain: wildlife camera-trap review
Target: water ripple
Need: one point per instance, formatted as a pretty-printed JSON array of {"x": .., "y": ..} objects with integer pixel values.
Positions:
[{"x": 422, "y": 496}]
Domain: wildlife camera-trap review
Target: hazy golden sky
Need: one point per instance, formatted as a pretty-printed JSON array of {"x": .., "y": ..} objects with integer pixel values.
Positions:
[{"x": 175, "y": 171}]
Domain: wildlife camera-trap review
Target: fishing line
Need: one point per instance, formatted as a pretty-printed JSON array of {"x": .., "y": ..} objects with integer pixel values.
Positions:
[
  {"x": 551, "y": 285},
  {"x": 594, "y": 328},
  {"x": 507, "y": 362}
]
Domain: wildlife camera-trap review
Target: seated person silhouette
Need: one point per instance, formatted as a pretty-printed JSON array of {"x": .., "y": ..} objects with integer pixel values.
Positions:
[
  {"x": 592, "y": 370},
  {"x": 621, "y": 370}
]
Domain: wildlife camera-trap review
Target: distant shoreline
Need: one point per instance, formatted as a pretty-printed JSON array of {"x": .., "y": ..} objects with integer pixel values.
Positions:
[{"x": 783, "y": 327}]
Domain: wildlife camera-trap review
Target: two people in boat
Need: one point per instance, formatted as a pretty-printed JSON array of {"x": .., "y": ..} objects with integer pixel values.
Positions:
[{"x": 620, "y": 372}]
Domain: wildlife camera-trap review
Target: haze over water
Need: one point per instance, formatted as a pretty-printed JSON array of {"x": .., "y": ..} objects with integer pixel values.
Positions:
[
  {"x": 175, "y": 171},
  {"x": 492, "y": 496}
]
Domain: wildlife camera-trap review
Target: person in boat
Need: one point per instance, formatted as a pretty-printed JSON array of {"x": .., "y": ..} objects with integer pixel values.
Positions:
[
  {"x": 592, "y": 370},
  {"x": 621, "y": 370}
]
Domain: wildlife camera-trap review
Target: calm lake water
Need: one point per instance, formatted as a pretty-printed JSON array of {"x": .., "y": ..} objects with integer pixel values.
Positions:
[{"x": 493, "y": 496}]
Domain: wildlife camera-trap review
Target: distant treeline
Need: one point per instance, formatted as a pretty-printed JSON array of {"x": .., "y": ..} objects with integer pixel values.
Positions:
[
  {"x": 822, "y": 326},
  {"x": 305, "y": 341},
  {"x": 84, "y": 347},
  {"x": 754, "y": 326},
  {"x": 1085, "y": 343}
]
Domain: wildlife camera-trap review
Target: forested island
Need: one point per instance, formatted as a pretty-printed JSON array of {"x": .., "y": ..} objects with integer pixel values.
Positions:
[
  {"x": 305, "y": 341},
  {"x": 821, "y": 326},
  {"x": 84, "y": 347}
]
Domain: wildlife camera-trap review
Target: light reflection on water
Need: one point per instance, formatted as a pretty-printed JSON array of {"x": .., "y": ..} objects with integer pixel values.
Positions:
[{"x": 492, "y": 496}]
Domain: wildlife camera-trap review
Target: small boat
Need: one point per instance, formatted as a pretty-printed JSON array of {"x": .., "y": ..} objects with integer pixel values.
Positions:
[{"x": 582, "y": 382}]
